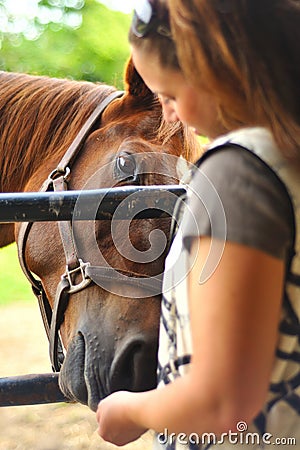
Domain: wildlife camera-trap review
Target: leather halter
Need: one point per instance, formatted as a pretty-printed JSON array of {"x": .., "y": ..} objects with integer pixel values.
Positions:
[
  {"x": 52, "y": 319},
  {"x": 74, "y": 265}
]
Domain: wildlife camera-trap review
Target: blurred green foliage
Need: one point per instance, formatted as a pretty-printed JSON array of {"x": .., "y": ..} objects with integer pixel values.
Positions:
[
  {"x": 77, "y": 39},
  {"x": 14, "y": 286}
]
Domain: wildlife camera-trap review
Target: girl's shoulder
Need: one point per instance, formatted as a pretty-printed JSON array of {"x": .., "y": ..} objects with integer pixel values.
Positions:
[{"x": 252, "y": 192}]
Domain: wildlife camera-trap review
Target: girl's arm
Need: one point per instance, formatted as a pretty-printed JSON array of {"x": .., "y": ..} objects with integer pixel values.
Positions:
[{"x": 234, "y": 324}]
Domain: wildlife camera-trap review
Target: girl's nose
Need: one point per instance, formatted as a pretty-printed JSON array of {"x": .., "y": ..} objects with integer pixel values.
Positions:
[{"x": 169, "y": 112}]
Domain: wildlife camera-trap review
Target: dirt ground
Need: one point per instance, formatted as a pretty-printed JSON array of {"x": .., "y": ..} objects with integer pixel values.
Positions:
[{"x": 61, "y": 426}]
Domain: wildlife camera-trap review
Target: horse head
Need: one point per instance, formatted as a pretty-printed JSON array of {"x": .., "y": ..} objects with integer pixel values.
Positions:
[{"x": 109, "y": 329}]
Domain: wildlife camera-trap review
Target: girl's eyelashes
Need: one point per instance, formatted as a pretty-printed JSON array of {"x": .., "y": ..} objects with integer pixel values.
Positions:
[{"x": 165, "y": 100}]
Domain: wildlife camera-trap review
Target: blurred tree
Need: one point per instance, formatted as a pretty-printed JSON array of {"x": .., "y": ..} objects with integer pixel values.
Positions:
[{"x": 65, "y": 38}]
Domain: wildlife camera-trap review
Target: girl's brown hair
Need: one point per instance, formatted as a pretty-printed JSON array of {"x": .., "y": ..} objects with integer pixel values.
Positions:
[
  {"x": 246, "y": 52},
  {"x": 163, "y": 46}
]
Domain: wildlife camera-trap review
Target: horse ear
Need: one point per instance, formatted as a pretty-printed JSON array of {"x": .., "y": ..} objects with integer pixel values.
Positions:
[{"x": 134, "y": 84}]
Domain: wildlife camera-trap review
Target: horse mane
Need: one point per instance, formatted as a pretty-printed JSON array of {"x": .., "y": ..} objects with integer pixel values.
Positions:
[{"x": 39, "y": 118}]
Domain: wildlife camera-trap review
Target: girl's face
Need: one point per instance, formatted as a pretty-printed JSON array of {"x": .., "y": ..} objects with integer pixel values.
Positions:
[{"x": 180, "y": 100}]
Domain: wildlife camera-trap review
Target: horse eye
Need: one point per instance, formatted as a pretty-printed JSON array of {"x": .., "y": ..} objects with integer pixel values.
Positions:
[{"x": 125, "y": 167}]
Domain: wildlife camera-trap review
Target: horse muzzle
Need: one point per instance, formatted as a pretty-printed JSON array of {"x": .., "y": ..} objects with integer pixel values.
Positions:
[{"x": 98, "y": 364}]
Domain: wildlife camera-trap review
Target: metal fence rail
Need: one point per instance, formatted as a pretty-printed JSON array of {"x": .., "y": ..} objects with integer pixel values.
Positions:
[
  {"x": 30, "y": 390},
  {"x": 100, "y": 204},
  {"x": 137, "y": 202}
]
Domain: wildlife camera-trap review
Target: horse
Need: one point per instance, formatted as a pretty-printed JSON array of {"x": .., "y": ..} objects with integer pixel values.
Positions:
[{"x": 103, "y": 338}]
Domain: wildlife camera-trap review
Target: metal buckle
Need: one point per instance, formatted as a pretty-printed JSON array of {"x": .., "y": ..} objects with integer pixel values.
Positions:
[
  {"x": 58, "y": 173},
  {"x": 85, "y": 280}
]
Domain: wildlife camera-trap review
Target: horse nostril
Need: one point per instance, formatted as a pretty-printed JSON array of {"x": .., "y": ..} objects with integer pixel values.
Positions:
[
  {"x": 134, "y": 366},
  {"x": 125, "y": 366}
]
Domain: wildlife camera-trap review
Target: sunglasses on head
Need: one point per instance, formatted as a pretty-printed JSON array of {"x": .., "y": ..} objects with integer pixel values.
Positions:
[{"x": 145, "y": 20}]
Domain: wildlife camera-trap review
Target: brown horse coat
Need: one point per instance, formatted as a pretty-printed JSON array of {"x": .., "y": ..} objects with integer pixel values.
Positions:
[{"x": 110, "y": 339}]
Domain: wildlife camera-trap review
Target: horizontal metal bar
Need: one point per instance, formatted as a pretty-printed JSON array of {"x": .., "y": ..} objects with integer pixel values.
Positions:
[
  {"x": 30, "y": 390},
  {"x": 100, "y": 204}
]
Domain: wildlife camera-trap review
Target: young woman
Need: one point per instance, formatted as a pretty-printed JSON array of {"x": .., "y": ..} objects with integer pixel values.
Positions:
[{"x": 230, "y": 330}]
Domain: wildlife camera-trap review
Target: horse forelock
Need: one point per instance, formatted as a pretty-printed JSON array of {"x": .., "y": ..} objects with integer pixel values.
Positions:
[
  {"x": 189, "y": 149},
  {"x": 145, "y": 120},
  {"x": 39, "y": 118}
]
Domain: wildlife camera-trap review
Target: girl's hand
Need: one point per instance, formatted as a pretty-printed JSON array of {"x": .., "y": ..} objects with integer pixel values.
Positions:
[{"x": 115, "y": 425}]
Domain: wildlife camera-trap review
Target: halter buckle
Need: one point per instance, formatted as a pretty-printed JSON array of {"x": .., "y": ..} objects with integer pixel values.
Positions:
[
  {"x": 58, "y": 172},
  {"x": 68, "y": 275}
]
